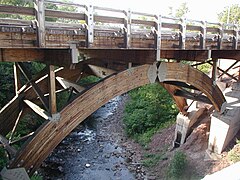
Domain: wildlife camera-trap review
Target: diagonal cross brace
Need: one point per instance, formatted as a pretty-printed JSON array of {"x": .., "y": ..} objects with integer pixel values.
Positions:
[{"x": 37, "y": 90}]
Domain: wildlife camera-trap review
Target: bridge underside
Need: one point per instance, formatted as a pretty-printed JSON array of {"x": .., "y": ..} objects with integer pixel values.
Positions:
[
  {"x": 119, "y": 78},
  {"x": 71, "y": 56}
]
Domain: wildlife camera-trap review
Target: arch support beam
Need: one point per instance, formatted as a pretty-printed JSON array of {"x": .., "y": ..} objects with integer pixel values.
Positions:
[
  {"x": 51, "y": 133},
  {"x": 189, "y": 75}
]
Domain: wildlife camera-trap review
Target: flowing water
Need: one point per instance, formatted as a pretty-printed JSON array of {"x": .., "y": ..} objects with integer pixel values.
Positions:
[{"x": 90, "y": 152}]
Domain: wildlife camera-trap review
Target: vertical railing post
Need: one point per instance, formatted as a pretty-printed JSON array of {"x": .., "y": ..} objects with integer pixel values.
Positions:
[
  {"x": 203, "y": 35},
  {"x": 40, "y": 22},
  {"x": 127, "y": 29},
  {"x": 235, "y": 37},
  {"x": 182, "y": 37},
  {"x": 220, "y": 37},
  {"x": 158, "y": 37},
  {"x": 90, "y": 26}
]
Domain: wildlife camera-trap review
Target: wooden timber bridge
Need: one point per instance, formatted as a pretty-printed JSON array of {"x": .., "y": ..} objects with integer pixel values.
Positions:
[{"x": 126, "y": 49}]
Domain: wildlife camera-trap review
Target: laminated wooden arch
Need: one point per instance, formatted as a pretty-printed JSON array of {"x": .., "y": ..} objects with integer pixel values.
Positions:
[
  {"x": 189, "y": 75},
  {"x": 51, "y": 133}
]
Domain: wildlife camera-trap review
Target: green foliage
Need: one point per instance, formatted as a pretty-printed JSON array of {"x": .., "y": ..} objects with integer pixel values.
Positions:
[
  {"x": 234, "y": 155},
  {"x": 88, "y": 80},
  {"x": 180, "y": 12},
  {"x": 22, "y": 3},
  {"x": 230, "y": 14},
  {"x": 151, "y": 160},
  {"x": 36, "y": 67},
  {"x": 6, "y": 83},
  {"x": 204, "y": 67},
  {"x": 62, "y": 99},
  {"x": 3, "y": 158},
  {"x": 177, "y": 166},
  {"x": 149, "y": 109},
  {"x": 36, "y": 177}
]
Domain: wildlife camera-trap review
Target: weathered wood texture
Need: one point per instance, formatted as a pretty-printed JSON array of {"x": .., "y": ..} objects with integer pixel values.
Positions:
[
  {"x": 185, "y": 73},
  {"x": 117, "y": 29},
  {"x": 9, "y": 113},
  {"x": 52, "y": 133}
]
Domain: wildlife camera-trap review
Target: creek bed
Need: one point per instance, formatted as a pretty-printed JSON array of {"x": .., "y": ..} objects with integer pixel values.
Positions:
[{"x": 94, "y": 150}]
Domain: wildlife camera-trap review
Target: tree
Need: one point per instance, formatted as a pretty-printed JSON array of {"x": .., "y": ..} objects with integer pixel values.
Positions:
[
  {"x": 230, "y": 14},
  {"x": 180, "y": 12}
]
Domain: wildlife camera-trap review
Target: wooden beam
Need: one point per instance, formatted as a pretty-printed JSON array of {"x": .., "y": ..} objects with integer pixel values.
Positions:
[
  {"x": 40, "y": 17},
  {"x": 12, "y": 151},
  {"x": 16, "y": 10},
  {"x": 214, "y": 69},
  {"x": 180, "y": 84},
  {"x": 52, "y": 90},
  {"x": 15, "y": 125},
  {"x": 180, "y": 101},
  {"x": 230, "y": 67},
  {"x": 64, "y": 14},
  {"x": 37, "y": 90},
  {"x": 17, "y": 81},
  {"x": 193, "y": 96},
  {"x": 189, "y": 75},
  {"x": 41, "y": 112},
  {"x": 21, "y": 138},
  {"x": 68, "y": 84},
  {"x": 101, "y": 71},
  {"x": 231, "y": 76},
  {"x": 21, "y": 55}
]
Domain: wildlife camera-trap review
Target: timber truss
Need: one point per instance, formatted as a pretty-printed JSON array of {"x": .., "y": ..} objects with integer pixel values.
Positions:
[{"x": 121, "y": 48}]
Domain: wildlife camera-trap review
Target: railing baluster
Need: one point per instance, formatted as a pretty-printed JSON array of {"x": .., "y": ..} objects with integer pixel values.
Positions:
[
  {"x": 158, "y": 37},
  {"x": 235, "y": 37},
  {"x": 220, "y": 37},
  {"x": 127, "y": 29},
  {"x": 203, "y": 35},
  {"x": 40, "y": 18},
  {"x": 90, "y": 26},
  {"x": 182, "y": 37}
]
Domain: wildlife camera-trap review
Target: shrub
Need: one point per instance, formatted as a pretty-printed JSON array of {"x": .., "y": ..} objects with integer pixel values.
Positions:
[
  {"x": 150, "y": 108},
  {"x": 234, "y": 154},
  {"x": 177, "y": 166}
]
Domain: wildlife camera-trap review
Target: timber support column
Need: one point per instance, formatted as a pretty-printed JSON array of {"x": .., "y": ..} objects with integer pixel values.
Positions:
[
  {"x": 55, "y": 116},
  {"x": 225, "y": 126},
  {"x": 52, "y": 90},
  {"x": 214, "y": 70}
]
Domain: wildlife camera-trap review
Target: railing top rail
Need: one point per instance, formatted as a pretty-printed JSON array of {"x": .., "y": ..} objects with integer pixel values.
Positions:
[{"x": 66, "y": 3}]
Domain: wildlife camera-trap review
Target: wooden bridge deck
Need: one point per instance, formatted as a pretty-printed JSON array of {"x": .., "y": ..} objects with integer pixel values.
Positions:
[
  {"x": 124, "y": 47},
  {"x": 96, "y": 28}
]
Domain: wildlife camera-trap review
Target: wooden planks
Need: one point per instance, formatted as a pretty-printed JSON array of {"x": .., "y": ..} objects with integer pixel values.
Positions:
[
  {"x": 51, "y": 134},
  {"x": 187, "y": 74}
]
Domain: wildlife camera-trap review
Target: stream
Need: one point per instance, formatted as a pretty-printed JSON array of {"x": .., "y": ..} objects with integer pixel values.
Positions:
[{"x": 96, "y": 150}]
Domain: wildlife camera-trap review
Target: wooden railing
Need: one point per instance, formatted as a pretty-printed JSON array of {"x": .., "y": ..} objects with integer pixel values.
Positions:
[{"x": 98, "y": 27}]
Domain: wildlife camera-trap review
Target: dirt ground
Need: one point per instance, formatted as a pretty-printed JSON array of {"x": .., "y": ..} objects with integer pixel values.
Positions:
[{"x": 199, "y": 163}]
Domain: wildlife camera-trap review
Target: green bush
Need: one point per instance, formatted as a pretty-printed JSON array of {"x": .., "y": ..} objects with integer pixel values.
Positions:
[
  {"x": 88, "y": 80},
  {"x": 204, "y": 67},
  {"x": 150, "y": 108},
  {"x": 177, "y": 166},
  {"x": 234, "y": 155},
  {"x": 3, "y": 159}
]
